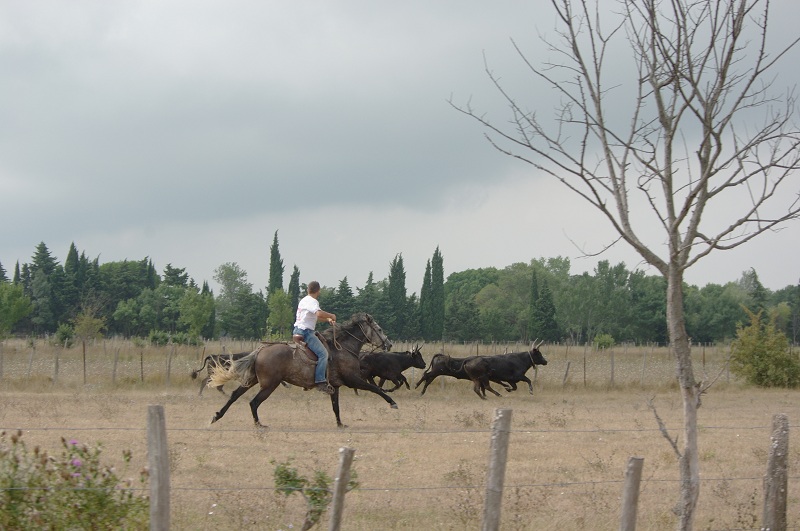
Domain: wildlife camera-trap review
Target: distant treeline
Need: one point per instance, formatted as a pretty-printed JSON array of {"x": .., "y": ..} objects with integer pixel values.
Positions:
[{"x": 520, "y": 302}]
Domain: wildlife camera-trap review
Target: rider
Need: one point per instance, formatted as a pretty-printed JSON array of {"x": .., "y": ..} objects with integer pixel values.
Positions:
[{"x": 308, "y": 311}]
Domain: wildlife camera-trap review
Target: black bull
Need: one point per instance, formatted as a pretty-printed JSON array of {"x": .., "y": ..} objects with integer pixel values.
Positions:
[
  {"x": 504, "y": 369},
  {"x": 273, "y": 363}
]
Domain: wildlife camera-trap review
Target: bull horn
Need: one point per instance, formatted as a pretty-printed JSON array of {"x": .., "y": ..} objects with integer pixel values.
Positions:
[{"x": 539, "y": 344}]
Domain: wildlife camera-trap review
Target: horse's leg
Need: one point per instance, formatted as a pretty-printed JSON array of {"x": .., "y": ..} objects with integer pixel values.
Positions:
[
  {"x": 335, "y": 406},
  {"x": 359, "y": 383},
  {"x": 242, "y": 389},
  {"x": 219, "y": 388},
  {"x": 262, "y": 395},
  {"x": 203, "y": 384}
]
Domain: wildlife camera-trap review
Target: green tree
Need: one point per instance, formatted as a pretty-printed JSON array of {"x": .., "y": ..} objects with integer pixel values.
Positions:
[
  {"x": 761, "y": 355},
  {"x": 343, "y": 302},
  {"x": 276, "y": 267},
  {"x": 14, "y": 306},
  {"x": 176, "y": 276},
  {"x": 545, "y": 311},
  {"x": 3, "y": 277},
  {"x": 196, "y": 309},
  {"x": 281, "y": 315},
  {"x": 462, "y": 322}
]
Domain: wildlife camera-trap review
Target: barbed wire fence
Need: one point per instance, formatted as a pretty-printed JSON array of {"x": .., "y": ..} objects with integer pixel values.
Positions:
[{"x": 775, "y": 480}]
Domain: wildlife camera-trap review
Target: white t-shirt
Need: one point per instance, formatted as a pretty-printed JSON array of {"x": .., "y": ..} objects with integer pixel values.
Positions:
[{"x": 307, "y": 313}]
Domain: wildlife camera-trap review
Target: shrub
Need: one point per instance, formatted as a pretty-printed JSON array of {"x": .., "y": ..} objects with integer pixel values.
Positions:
[
  {"x": 72, "y": 491},
  {"x": 159, "y": 337},
  {"x": 603, "y": 341},
  {"x": 761, "y": 354},
  {"x": 64, "y": 335},
  {"x": 316, "y": 492}
]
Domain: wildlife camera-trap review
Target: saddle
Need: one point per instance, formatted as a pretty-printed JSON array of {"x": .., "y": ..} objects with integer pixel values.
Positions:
[{"x": 303, "y": 347}]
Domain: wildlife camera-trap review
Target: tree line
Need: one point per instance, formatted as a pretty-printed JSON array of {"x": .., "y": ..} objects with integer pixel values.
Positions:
[{"x": 521, "y": 302}]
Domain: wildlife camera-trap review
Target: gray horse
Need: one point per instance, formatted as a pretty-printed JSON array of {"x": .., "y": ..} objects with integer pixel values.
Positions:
[{"x": 273, "y": 363}]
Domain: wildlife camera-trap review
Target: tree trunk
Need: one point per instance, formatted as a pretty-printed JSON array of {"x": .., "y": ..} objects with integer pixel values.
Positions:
[{"x": 679, "y": 341}]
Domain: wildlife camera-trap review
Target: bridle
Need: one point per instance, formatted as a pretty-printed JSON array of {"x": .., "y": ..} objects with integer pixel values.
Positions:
[{"x": 362, "y": 342}]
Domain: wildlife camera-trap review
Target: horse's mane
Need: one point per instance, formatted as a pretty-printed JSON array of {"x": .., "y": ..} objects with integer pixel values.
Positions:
[{"x": 347, "y": 325}]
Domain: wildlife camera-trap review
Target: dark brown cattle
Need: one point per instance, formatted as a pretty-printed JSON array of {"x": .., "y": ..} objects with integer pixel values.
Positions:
[
  {"x": 505, "y": 369},
  {"x": 444, "y": 365},
  {"x": 390, "y": 366}
]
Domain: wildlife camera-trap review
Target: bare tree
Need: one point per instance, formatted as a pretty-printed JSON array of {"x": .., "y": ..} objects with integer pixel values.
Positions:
[{"x": 694, "y": 142}]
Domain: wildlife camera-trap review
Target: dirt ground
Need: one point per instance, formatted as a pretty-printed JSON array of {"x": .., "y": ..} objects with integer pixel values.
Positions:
[{"x": 423, "y": 465}]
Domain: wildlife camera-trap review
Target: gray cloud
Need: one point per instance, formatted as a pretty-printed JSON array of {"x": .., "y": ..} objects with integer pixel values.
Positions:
[{"x": 136, "y": 129}]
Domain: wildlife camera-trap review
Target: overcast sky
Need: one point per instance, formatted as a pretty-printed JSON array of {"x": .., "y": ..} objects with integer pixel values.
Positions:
[{"x": 191, "y": 131}]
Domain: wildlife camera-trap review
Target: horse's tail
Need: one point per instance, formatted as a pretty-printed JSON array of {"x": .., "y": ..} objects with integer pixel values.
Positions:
[
  {"x": 241, "y": 370},
  {"x": 195, "y": 372}
]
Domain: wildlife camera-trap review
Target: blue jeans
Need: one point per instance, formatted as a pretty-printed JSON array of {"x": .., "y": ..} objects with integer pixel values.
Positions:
[{"x": 319, "y": 349}]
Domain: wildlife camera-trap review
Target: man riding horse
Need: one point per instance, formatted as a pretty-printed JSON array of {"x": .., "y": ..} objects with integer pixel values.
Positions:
[{"x": 308, "y": 311}]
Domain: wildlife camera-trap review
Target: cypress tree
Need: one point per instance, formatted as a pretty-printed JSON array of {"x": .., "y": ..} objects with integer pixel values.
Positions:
[
  {"x": 425, "y": 315},
  {"x": 533, "y": 324},
  {"x": 396, "y": 297},
  {"x": 437, "y": 295},
  {"x": 276, "y": 267},
  {"x": 3, "y": 277},
  {"x": 294, "y": 288}
]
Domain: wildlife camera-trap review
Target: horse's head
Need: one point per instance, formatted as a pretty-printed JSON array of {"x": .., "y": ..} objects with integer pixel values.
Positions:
[{"x": 373, "y": 332}]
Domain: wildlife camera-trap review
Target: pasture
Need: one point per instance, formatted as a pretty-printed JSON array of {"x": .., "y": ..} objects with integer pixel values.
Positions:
[{"x": 421, "y": 466}]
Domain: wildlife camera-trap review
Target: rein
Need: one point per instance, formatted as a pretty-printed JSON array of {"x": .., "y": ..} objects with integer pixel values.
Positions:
[{"x": 363, "y": 342}]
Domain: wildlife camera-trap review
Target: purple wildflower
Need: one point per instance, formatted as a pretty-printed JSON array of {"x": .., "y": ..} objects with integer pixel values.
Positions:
[{"x": 76, "y": 463}]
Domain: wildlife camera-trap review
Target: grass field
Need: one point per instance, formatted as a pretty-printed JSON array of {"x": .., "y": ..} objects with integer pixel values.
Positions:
[{"x": 421, "y": 466}]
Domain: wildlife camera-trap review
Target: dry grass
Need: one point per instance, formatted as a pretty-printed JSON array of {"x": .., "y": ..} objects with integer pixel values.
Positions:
[{"x": 421, "y": 466}]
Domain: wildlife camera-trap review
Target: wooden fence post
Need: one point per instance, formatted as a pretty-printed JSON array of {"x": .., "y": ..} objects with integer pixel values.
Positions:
[
  {"x": 611, "y": 355},
  {"x": 30, "y": 361},
  {"x": 158, "y": 460},
  {"x": 498, "y": 454},
  {"x": 630, "y": 494},
  {"x": 340, "y": 487},
  {"x": 566, "y": 375},
  {"x": 114, "y": 371},
  {"x": 775, "y": 482},
  {"x": 2, "y": 353},
  {"x": 83, "y": 342}
]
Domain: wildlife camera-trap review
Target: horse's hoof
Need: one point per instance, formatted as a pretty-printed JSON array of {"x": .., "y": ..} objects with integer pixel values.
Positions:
[
  {"x": 342, "y": 426},
  {"x": 394, "y": 406},
  {"x": 261, "y": 426},
  {"x": 213, "y": 420}
]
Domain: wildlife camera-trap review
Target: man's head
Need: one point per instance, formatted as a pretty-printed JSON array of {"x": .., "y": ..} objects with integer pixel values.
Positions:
[{"x": 313, "y": 287}]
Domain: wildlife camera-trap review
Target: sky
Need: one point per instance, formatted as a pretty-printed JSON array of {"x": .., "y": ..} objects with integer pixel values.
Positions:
[{"x": 190, "y": 132}]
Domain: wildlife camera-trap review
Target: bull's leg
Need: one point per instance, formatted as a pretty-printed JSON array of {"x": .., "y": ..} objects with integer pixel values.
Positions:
[
  {"x": 262, "y": 395},
  {"x": 478, "y": 388},
  {"x": 219, "y": 388},
  {"x": 242, "y": 389},
  {"x": 427, "y": 378},
  {"x": 528, "y": 381},
  {"x": 488, "y": 387},
  {"x": 203, "y": 384},
  {"x": 397, "y": 384},
  {"x": 404, "y": 380}
]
